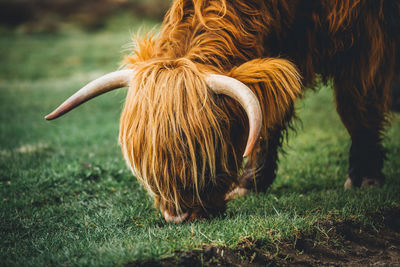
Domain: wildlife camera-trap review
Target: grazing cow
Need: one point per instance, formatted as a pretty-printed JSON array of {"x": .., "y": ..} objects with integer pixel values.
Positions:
[{"x": 220, "y": 81}]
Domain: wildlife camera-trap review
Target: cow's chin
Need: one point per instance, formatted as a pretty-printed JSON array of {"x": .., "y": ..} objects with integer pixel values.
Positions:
[
  {"x": 195, "y": 212},
  {"x": 175, "y": 218},
  {"x": 171, "y": 216},
  {"x": 189, "y": 215}
]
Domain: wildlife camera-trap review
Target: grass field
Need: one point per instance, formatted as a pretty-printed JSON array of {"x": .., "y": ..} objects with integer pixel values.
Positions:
[{"x": 68, "y": 199}]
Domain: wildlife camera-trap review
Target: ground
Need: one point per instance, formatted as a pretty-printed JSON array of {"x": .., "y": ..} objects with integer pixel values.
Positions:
[
  {"x": 342, "y": 244},
  {"x": 67, "y": 197}
]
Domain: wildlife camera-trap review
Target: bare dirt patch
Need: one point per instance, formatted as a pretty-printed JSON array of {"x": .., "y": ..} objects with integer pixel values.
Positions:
[
  {"x": 343, "y": 243},
  {"x": 348, "y": 244}
]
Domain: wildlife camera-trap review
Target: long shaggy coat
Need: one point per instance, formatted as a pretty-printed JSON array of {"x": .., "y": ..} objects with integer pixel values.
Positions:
[{"x": 184, "y": 143}]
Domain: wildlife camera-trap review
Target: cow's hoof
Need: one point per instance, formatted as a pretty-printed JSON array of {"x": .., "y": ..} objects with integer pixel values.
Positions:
[
  {"x": 366, "y": 182},
  {"x": 235, "y": 193},
  {"x": 348, "y": 184}
]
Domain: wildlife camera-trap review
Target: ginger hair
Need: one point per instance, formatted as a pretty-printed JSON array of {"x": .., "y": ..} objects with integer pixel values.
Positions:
[{"x": 177, "y": 136}]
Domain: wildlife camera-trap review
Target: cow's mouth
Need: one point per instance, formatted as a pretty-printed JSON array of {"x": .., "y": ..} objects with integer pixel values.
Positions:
[
  {"x": 175, "y": 218},
  {"x": 191, "y": 214}
]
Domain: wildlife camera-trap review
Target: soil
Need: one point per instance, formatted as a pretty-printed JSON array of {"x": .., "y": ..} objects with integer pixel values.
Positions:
[{"x": 335, "y": 244}]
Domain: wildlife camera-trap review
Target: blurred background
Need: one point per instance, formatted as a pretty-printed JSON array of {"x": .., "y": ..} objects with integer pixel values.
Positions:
[
  {"x": 51, "y": 48},
  {"x": 39, "y": 16}
]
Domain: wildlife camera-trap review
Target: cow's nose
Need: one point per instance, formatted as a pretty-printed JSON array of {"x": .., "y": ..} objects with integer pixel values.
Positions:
[{"x": 175, "y": 219}]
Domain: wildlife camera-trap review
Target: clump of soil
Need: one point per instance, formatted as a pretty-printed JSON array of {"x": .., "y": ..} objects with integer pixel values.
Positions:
[
  {"x": 335, "y": 244},
  {"x": 352, "y": 246}
]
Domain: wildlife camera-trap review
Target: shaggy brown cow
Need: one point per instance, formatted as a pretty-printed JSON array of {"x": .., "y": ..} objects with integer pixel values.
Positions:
[{"x": 182, "y": 131}]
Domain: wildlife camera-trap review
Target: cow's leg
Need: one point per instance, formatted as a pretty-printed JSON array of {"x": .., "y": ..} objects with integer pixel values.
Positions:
[
  {"x": 396, "y": 95},
  {"x": 260, "y": 170},
  {"x": 364, "y": 119}
]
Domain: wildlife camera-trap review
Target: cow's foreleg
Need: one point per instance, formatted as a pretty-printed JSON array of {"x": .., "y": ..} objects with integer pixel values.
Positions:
[{"x": 260, "y": 170}]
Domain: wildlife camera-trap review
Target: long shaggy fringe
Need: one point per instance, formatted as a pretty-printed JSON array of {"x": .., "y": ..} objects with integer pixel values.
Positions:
[{"x": 172, "y": 131}]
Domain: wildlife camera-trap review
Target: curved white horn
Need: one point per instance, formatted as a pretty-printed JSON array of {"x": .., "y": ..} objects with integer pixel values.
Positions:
[
  {"x": 97, "y": 87},
  {"x": 221, "y": 84}
]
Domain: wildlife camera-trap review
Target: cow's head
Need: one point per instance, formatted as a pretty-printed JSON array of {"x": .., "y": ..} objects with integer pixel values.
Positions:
[{"x": 183, "y": 132}]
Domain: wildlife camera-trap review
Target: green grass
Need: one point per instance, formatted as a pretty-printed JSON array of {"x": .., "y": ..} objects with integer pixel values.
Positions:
[{"x": 67, "y": 197}]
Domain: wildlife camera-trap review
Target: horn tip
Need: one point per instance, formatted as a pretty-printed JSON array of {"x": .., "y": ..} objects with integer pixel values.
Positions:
[{"x": 49, "y": 117}]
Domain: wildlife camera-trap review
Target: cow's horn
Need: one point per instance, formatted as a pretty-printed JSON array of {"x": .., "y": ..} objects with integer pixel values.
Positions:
[
  {"x": 97, "y": 87},
  {"x": 221, "y": 84}
]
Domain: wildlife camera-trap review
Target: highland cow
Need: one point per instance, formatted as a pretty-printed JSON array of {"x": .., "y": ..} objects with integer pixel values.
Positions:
[{"x": 221, "y": 79}]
